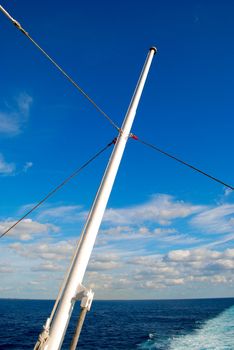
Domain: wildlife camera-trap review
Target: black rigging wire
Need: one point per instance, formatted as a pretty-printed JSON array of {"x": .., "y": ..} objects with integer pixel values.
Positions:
[
  {"x": 18, "y": 26},
  {"x": 181, "y": 161},
  {"x": 59, "y": 186}
]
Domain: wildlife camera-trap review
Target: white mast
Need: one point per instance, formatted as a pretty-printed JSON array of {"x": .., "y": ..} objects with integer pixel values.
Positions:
[{"x": 74, "y": 282}]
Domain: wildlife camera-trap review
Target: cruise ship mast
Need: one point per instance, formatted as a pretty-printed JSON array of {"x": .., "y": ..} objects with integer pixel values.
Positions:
[
  {"x": 55, "y": 329},
  {"x": 72, "y": 289}
]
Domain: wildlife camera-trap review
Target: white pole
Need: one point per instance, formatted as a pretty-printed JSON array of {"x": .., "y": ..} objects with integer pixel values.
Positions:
[{"x": 62, "y": 316}]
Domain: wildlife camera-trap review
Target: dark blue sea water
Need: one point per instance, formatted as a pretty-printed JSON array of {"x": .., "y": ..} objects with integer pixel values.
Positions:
[{"x": 166, "y": 325}]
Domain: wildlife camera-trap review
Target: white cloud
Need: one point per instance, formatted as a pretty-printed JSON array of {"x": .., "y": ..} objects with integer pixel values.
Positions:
[
  {"x": 104, "y": 262},
  {"x": 116, "y": 230},
  {"x": 227, "y": 192},
  {"x": 9, "y": 124},
  {"x": 199, "y": 254},
  {"x": 24, "y": 102},
  {"x": 179, "y": 255},
  {"x": 164, "y": 231},
  {"x": 216, "y": 220},
  {"x": 163, "y": 273},
  {"x": 27, "y": 166},
  {"x": 42, "y": 259},
  {"x": 6, "y": 168},
  {"x": 13, "y": 120},
  {"x": 185, "y": 266},
  {"x": 6, "y": 269},
  {"x": 34, "y": 283},
  {"x": 48, "y": 266},
  {"x": 26, "y": 229},
  {"x": 5, "y": 289},
  {"x": 66, "y": 213},
  {"x": 143, "y": 235},
  {"x": 54, "y": 251},
  {"x": 118, "y": 273},
  {"x": 133, "y": 255},
  {"x": 160, "y": 209}
]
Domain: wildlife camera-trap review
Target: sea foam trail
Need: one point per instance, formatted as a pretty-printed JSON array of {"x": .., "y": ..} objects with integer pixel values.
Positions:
[{"x": 215, "y": 334}]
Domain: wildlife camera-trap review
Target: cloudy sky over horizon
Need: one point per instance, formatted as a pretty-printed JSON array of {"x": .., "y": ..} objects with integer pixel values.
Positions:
[
  {"x": 163, "y": 248},
  {"x": 167, "y": 232}
]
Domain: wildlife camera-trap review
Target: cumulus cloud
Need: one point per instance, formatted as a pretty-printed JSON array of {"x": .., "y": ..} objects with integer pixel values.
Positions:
[
  {"x": 27, "y": 229},
  {"x": 6, "y": 269},
  {"x": 116, "y": 273},
  {"x": 184, "y": 266},
  {"x": 54, "y": 251},
  {"x": 5, "y": 167},
  {"x": 133, "y": 255},
  {"x": 67, "y": 213},
  {"x": 104, "y": 262},
  {"x": 9, "y": 124},
  {"x": 44, "y": 257},
  {"x": 160, "y": 209},
  {"x": 24, "y": 102},
  {"x": 216, "y": 220},
  {"x": 48, "y": 266},
  {"x": 164, "y": 272},
  {"x": 176, "y": 269},
  {"x": 142, "y": 235},
  {"x": 27, "y": 166},
  {"x": 227, "y": 192},
  {"x": 34, "y": 283},
  {"x": 13, "y": 119}
]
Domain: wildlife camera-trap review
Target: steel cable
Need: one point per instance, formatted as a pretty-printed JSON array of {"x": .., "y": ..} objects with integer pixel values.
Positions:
[
  {"x": 18, "y": 25},
  {"x": 182, "y": 161},
  {"x": 58, "y": 187}
]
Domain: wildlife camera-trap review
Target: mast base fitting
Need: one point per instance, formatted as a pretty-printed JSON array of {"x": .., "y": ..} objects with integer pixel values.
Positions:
[{"x": 154, "y": 49}]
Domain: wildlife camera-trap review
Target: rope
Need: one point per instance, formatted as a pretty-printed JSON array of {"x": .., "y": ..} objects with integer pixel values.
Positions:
[
  {"x": 18, "y": 26},
  {"x": 58, "y": 187},
  {"x": 181, "y": 161}
]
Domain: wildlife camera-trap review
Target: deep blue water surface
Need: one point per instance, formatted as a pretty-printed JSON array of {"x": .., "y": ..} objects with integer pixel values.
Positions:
[{"x": 206, "y": 324}]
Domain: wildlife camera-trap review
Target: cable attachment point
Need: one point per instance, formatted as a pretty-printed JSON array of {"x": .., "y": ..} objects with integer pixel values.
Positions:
[
  {"x": 18, "y": 26},
  {"x": 134, "y": 137},
  {"x": 114, "y": 141},
  {"x": 120, "y": 131}
]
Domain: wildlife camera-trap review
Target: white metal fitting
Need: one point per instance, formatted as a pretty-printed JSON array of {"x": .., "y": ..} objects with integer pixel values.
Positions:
[{"x": 87, "y": 299}]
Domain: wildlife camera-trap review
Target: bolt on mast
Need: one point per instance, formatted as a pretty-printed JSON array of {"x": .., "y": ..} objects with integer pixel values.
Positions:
[{"x": 74, "y": 287}]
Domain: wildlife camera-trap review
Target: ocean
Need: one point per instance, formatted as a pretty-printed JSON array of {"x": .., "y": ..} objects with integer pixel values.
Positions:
[{"x": 204, "y": 324}]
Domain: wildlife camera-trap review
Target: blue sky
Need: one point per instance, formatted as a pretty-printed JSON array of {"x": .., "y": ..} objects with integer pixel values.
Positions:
[{"x": 167, "y": 232}]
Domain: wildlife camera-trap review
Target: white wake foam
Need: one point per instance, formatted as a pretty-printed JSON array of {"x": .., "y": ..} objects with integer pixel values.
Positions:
[{"x": 215, "y": 334}]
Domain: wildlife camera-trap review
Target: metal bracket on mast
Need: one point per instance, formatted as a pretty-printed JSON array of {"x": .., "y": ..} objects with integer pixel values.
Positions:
[{"x": 85, "y": 296}]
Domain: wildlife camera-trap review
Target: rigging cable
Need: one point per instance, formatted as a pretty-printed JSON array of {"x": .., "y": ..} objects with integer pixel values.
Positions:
[
  {"x": 18, "y": 26},
  {"x": 59, "y": 186},
  {"x": 181, "y": 161}
]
